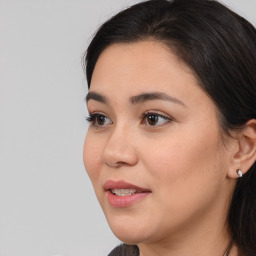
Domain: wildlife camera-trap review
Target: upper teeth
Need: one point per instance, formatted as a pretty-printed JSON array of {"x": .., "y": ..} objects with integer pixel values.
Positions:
[{"x": 123, "y": 191}]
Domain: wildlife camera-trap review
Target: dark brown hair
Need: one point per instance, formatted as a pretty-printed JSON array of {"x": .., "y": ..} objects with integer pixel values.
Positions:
[{"x": 220, "y": 47}]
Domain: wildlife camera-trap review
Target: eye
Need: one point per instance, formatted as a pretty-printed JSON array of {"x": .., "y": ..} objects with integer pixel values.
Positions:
[
  {"x": 98, "y": 120},
  {"x": 154, "y": 119}
]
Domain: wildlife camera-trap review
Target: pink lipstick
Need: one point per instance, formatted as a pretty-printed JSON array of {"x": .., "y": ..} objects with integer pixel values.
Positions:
[{"x": 124, "y": 194}]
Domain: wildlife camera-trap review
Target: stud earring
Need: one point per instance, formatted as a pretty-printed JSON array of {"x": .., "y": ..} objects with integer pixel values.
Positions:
[{"x": 239, "y": 173}]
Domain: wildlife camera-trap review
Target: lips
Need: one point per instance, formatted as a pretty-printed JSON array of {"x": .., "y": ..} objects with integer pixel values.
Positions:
[
  {"x": 110, "y": 184},
  {"x": 124, "y": 194}
]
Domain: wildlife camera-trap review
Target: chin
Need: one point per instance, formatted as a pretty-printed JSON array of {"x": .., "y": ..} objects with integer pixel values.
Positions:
[
  {"x": 129, "y": 237},
  {"x": 128, "y": 231}
]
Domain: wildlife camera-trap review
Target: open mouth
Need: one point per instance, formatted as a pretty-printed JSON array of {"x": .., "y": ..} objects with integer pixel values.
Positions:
[
  {"x": 123, "y": 188},
  {"x": 125, "y": 197},
  {"x": 123, "y": 194},
  {"x": 124, "y": 191}
]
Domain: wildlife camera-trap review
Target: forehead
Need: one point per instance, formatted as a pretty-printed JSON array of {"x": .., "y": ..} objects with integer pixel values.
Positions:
[{"x": 145, "y": 65}]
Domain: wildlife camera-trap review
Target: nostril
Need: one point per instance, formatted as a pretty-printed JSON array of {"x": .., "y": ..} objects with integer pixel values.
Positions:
[
  {"x": 115, "y": 164},
  {"x": 120, "y": 156}
]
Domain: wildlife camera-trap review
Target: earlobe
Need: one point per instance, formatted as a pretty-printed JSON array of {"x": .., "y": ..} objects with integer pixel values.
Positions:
[{"x": 245, "y": 155}]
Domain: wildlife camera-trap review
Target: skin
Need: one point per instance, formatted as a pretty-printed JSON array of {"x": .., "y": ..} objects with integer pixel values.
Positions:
[{"x": 181, "y": 159}]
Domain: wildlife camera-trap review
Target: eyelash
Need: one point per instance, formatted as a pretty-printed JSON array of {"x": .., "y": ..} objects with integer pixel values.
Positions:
[
  {"x": 148, "y": 114},
  {"x": 92, "y": 118}
]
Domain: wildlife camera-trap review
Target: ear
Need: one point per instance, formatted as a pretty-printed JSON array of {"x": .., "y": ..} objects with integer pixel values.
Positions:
[{"x": 244, "y": 155}]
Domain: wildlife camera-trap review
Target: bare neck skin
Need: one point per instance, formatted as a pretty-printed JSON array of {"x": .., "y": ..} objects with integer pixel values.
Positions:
[
  {"x": 211, "y": 245},
  {"x": 206, "y": 235}
]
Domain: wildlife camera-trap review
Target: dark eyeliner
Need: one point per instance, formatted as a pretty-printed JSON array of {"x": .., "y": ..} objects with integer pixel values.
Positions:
[{"x": 146, "y": 114}]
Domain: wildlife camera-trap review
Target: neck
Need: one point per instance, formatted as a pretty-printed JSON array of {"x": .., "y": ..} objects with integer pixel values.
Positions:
[
  {"x": 210, "y": 245},
  {"x": 205, "y": 236}
]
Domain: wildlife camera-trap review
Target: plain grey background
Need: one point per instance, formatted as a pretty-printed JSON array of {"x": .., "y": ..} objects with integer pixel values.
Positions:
[{"x": 47, "y": 204}]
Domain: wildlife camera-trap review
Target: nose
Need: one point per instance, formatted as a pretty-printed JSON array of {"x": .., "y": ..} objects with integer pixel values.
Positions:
[{"x": 120, "y": 148}]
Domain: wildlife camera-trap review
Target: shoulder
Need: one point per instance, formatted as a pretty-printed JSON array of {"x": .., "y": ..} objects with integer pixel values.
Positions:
[{"x": 125, "y": 250}]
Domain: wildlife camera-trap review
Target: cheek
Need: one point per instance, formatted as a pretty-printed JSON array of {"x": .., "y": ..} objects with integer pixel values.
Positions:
[
  {"x": 184, "y": 165},
  {"x": 185, "y": 177},
  {"x": 92, "y": 158}
]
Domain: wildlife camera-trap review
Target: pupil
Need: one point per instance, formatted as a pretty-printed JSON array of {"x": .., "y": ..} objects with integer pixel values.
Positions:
[
  {"x": 152, "y": 119},
  {"x": 101, "y": 120}
]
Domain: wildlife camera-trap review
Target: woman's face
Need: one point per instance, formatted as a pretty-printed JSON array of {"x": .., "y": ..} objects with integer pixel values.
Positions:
[{"x": 153, "y": 131}]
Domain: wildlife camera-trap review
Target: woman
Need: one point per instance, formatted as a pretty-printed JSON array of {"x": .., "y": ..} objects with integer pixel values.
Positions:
[{"x": 171, "y": 148}]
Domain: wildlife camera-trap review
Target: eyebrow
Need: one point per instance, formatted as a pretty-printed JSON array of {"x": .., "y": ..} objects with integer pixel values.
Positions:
[
  {"x": 96, "y": 96},
  {"x": 155, "y": 96},
  {"x": 143, "y": 97}
]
